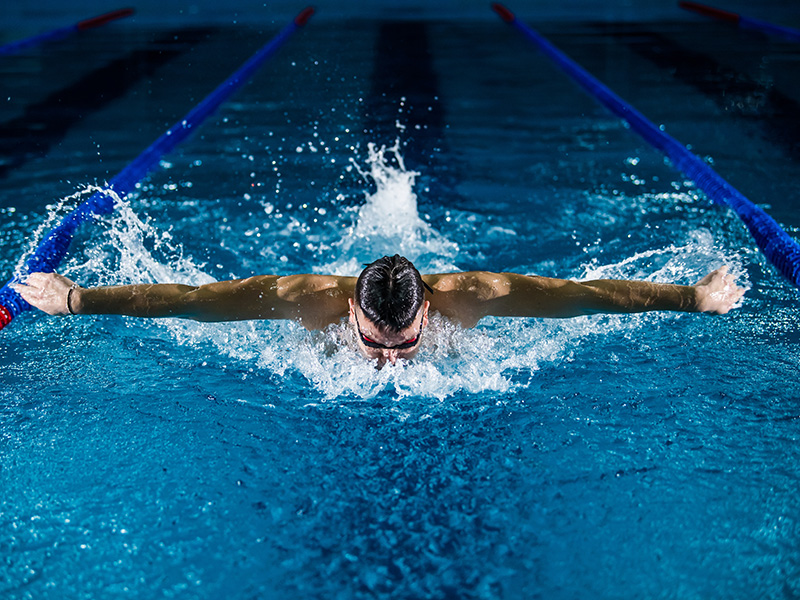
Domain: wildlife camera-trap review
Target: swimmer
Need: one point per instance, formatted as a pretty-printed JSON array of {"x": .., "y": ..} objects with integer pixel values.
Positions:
[{"x": 387, "y": 304}]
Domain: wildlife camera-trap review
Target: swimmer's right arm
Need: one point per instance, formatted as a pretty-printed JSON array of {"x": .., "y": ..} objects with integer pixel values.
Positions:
[{"x": 315, "y": 300}]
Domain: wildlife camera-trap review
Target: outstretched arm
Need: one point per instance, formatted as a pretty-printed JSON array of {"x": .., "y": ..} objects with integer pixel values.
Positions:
[
  {"x": 315, "y": 300},
  {"x": 466, "y": 297}
]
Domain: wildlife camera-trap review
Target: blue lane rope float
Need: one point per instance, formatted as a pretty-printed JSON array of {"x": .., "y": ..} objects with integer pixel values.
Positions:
[
  {"x": 52, "y": 249},
  {"x": 779, "y": 248},
  {"x": 62, "y": 32},
  {"x": 742, "y": 21}
]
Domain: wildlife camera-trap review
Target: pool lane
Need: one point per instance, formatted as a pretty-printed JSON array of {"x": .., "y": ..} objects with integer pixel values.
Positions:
[
  {"x": 404, "y": 78},
  {"x": 405, "y": 101}
]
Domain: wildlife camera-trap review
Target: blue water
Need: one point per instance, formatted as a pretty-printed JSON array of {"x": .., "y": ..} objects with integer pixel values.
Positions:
[{"x": 646, "y": 456}]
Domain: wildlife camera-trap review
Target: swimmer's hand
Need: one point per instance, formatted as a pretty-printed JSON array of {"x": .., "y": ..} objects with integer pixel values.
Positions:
[
  {"x": 46, "y": 291},
  {"x": 717, "y": 292}
]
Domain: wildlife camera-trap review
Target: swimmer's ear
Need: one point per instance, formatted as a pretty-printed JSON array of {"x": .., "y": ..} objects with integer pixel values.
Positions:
[{"x": 352, "y": 312}]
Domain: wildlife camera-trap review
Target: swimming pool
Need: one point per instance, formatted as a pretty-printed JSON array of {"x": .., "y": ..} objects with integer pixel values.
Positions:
[{"x": 636, "y": 456}]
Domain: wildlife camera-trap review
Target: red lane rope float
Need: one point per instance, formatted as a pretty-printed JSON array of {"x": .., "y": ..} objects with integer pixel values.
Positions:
[
  {"x": 62, "y": 32},
  {"x": 710, "y": 11},
  {"x": 103, "y": 19},
  {"x": 742, "y": 21}
]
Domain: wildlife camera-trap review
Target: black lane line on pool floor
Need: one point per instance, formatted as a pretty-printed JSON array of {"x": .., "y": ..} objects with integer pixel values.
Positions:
[
  {"x": 732, "y": 90},
  {"x": 44, "y": 124},
  {"x": 403, "y": 68}
]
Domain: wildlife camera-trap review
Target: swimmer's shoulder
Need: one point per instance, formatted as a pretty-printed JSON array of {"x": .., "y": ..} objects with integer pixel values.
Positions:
[
  {"x": 481, "y": 285},
  {"x": 463, "y": 297},
  {"x": 293, "y": 287},
  {"x": 319, "y": 300}
]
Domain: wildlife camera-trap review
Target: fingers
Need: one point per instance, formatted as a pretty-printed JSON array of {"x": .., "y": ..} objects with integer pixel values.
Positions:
[
  {"x": 38, "y": 279},
  {"x": 31, "y": 295},
  {"x": 33, "y": 286},
  {"x": 714, "y": 275},
  {"x": 736, "y": 293},
  {"x": 722, "y": 272},
  {"x": 45, "y": 291},
  {"x": 718, "y": 292}
]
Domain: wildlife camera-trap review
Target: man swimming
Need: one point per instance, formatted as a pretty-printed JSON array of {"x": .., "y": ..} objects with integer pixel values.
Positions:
[{"x": 387, "y": 304}]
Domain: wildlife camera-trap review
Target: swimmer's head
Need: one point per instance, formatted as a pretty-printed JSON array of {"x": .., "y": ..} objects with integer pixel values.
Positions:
[
  {"x": 389, "y": 310},
  {"x": 390, "y": 292}
]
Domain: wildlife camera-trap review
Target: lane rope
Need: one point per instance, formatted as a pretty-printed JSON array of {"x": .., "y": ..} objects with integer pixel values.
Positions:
[
  {"x": 62, "y": 32},
  {"x": 776, "y": 244},
  {"x": 52, "y": 249},
  {"x": 742, "y": 21}
]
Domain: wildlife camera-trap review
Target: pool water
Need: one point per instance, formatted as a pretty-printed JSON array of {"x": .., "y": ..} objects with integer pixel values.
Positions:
[{"x": 636, "y": 456}]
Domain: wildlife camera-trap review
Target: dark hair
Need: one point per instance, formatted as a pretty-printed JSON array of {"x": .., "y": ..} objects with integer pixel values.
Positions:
[{"x": 390, "y": 292}]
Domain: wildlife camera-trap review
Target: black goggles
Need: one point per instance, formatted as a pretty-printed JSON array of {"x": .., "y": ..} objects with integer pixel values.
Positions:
[{"x": 370, "y": 343}]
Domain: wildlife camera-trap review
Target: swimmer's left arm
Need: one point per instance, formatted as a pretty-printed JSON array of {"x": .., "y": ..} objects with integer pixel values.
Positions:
[
  {"x": 716, "y": 293},
  {"x": 467, "y": 297}
]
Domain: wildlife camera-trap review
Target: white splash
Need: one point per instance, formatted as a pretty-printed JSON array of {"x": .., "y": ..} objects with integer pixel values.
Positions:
[
  {"x": 451, "y": 360},
  {"x": 676, "y": 263},
  {"x": 56, "y": 212},
  {"x": 134, "y": 250},
  {"x": 388, "y": 222}
]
